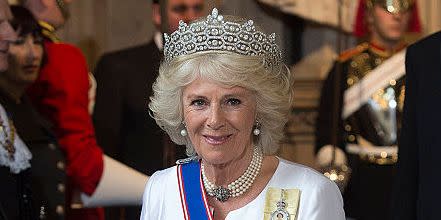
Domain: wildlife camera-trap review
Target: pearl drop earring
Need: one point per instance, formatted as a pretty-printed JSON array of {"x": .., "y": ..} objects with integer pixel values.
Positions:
[
  {"x": 256, "y": 130},
  {"x": 183, "y": 132}
]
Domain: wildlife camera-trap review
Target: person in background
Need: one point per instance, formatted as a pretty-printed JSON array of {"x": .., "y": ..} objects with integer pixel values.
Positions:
[
  {"x": 229, "y": 105},
  {"x": 367, "y": 132},
  {"x": 60, "y": 94},
  {"x": 416, "y": 189},
  {"x": 32, "y": 171},
  {"x": 124, "y": 78},
  {"x": 7, "y": 34}
]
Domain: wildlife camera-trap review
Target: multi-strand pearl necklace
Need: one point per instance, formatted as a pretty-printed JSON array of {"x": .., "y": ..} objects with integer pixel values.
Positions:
[{"x": 240, "y": 185}]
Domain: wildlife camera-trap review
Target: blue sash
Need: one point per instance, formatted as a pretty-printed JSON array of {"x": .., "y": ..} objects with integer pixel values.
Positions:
[{"x": 193, "y": 199}]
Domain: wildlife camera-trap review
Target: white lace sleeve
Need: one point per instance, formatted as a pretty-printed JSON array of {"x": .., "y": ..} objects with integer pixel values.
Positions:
[{"x": 22, "y": 155}]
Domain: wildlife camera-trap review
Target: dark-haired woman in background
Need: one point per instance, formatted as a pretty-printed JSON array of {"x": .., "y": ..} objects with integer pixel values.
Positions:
[{"x": 31, "y": 164}]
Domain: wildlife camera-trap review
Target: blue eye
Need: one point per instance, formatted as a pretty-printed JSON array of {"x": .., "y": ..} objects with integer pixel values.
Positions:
[
  {"x": 198, "y": 102},
  {"x": 233, "y": 101}
]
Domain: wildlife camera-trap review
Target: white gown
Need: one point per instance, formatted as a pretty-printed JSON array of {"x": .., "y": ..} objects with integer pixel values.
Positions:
[{"x": 320, "y": 198}]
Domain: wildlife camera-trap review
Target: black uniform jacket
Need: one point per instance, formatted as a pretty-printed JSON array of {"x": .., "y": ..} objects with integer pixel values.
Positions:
[
  {"x": 38, "y": 192},
  {"x": 367, "y": 195},
  {"x": 355, "y": 64}
]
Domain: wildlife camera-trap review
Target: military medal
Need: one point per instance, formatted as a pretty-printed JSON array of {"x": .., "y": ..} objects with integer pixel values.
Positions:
[
  {"x": 281, "y": 204},
  {"x": 281, "y": 213}
]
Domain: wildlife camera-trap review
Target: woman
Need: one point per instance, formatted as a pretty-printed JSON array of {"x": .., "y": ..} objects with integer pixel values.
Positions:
[
  {"x": 32, "y": 168},
  {"x": 224, "y": 93}
]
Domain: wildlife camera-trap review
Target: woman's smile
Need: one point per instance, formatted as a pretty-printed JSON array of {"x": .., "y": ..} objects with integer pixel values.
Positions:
[{"x": 216, "y": 140}]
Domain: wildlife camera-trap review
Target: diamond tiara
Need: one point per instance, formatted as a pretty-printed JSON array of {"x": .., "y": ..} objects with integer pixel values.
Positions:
[{"x": 215, "y": 34}]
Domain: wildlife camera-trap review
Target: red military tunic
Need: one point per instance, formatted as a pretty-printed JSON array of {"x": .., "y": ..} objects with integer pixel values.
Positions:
[{"x": 61, "y": 95}]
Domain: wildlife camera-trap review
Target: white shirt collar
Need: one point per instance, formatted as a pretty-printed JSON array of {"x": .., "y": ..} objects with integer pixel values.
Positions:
[{"x": 158, "y": 40}]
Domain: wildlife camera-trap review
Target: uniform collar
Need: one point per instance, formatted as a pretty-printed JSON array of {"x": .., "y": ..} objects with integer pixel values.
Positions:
[{"x": 383, "y": 52}]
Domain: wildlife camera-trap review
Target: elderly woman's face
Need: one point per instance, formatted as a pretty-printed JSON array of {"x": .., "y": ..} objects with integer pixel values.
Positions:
[{"x": 219, "y": 120}]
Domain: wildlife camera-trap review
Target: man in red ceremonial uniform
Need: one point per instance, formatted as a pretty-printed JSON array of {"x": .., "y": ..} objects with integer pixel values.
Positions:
[{"x": 61, "y": 95}]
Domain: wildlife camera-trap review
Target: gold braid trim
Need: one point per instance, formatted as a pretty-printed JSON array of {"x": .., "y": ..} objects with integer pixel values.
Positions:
[
  {"x": 348, "y": 54},
  {"x": 386, "y": 53},
  {"x": 48, "y": 32}
]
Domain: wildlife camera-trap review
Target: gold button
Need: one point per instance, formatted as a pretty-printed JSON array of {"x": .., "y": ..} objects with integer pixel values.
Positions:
[
  {"x": 348, "y": 128},
  {"x": 344, "y": 168},
  {"x": 392, "y": 82},
  {"x": 354, "y": 64},
  {"x": 52, "y": 146},
  {"x": 350, "y": 81},
  {"x": 59, "y": 210},
  {"x": 60, "y": 165},
  {"x": 378, "y": 61},
  {"x": 351, "y": 138},
  {"x": 60, "y": 188}
]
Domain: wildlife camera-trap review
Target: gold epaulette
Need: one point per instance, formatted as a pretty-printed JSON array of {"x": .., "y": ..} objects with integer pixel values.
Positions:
[
  {"x": 48, "y": 32},
  {"x": 346, "y": 55}
]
